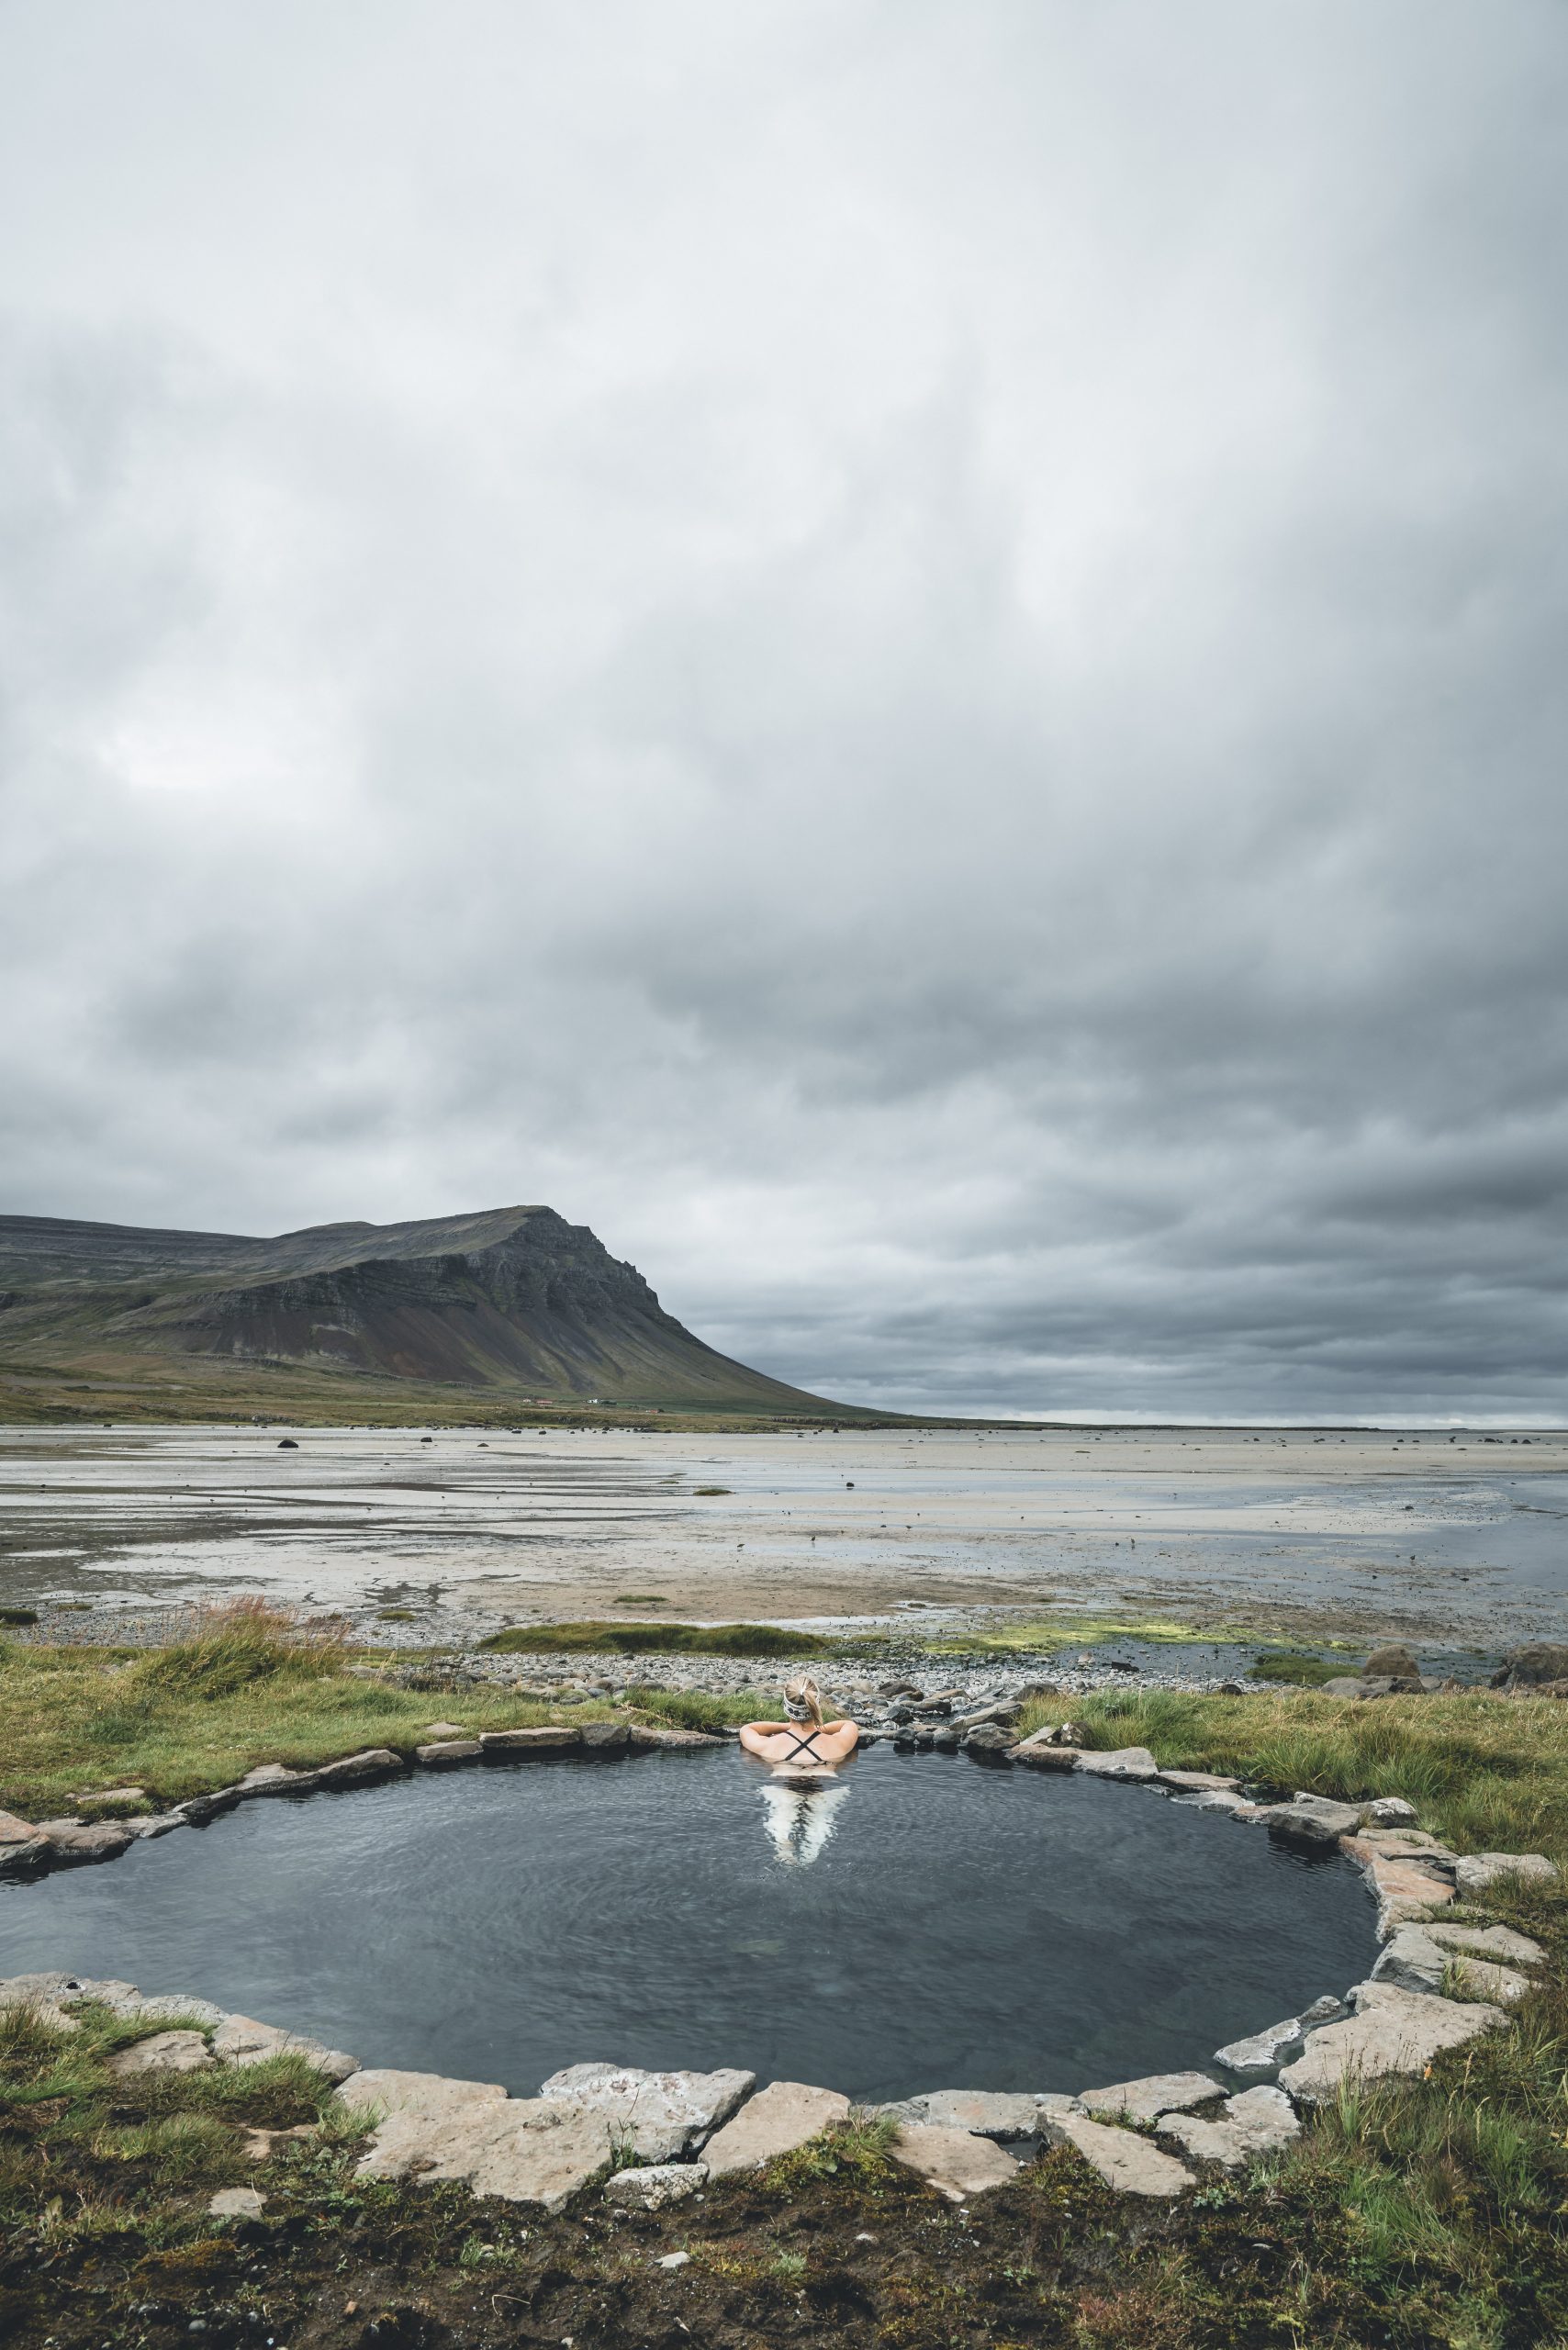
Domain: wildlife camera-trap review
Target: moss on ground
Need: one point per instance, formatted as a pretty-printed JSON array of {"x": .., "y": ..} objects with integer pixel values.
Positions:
[{"x": 640, "y": 1639}]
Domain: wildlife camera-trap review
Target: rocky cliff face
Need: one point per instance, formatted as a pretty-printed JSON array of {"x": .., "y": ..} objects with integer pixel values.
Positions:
[{"x": 515, "y": 1298}]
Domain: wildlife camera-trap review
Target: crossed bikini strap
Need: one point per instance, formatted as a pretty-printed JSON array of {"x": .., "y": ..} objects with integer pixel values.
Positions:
[{"x": 804, "y": 1746}]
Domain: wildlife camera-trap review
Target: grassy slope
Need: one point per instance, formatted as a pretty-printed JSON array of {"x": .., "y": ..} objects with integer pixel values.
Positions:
[{"x": 1413, "y": 2215}]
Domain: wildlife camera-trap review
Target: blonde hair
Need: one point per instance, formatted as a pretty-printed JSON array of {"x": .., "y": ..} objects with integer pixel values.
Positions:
[{"x": 805, "y": 1694}]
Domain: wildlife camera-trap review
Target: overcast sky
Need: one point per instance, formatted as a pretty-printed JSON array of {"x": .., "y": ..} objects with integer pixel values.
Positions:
[{"x": 912, "y": 654}]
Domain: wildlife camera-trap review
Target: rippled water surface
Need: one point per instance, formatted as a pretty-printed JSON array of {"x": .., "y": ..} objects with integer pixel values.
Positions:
[{"x": 928, "y": 1923}]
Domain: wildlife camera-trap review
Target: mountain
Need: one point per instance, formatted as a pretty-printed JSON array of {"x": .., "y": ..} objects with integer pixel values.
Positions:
[{"x": 508, "y": 1304}]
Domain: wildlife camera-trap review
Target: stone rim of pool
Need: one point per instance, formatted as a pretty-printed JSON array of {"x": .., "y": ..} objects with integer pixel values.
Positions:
[{"x": 590, "y": 2118}]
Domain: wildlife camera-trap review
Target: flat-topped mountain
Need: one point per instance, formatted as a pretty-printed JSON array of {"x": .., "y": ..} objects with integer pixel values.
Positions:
[{"x": 515, "y": 1301}]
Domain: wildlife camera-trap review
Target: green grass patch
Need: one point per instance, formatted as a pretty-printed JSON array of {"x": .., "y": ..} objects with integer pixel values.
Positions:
[
  {"x": 710, "y": 1493},
  {"x": 635, "y": 1639}
]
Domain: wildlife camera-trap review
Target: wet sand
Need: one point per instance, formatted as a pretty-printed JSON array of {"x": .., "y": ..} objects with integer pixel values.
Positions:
[{"x": 1448, "y": 1538}]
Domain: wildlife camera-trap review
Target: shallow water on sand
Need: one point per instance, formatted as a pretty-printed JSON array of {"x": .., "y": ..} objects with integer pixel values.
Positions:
[
  {"x": 1441, "y": 1537},
  {"x": 928, "y": 1923}
]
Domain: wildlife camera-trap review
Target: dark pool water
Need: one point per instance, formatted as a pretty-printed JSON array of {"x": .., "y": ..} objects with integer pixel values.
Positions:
[{"x": 932, "y": 1924}]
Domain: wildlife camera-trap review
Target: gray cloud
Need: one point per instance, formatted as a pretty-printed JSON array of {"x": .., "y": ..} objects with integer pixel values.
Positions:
[{"x": 909, "y": 655}]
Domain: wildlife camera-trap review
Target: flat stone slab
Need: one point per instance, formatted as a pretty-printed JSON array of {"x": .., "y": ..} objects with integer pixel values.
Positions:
[
  {"x": 166, "y": 2052},
  {"x": 516, "y": 1745},
  {"x": 657, "y": 2114},
  {"x": 1123, "y": 1762},
  {"x": 104, "y": 1841},
  {"x": 1312, "y": 1821},
  {"x": 1415, "y": 1960},
  {"x": 240, "y": 2040},
  {"x": 1261, "y": 2054},
  {"x": 956, "y": 2162},
  {"x": 605, "y": 1738},
  {"x": 643, "y": 1734},
  {"x": 359, "y": 1770},
  {"x": 388, "y": 2090},
  {"x": 1393, "y": 2030},
  {"x": 524, "y": 2150},
  {"x": 15, "y": 1831},
  {"x": 1038, "y": 1756},
  {"x": 1482, "y": 1869},
  {"x": 275, "y": 1779},
  {"x": 774, "y": 2122},
  {"x": 20, "y": 1855},
  {"x": 1497, "y": 1942},
  {"x": 1199, "y": 1781},
  {"x": 237, "y": 2203},
  {"x": 1123, "y": 2160},
  {"x": 1259, "y": 2121},
  {"x": 651, "y": 2188},
  {"x": 447, "y": 1753},
  {"x": 1147, "y": 2099},
  {"x": 987, "y": 2113}
]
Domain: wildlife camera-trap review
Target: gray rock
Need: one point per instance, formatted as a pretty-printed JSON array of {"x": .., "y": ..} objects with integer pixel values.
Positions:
[
  {"x": 605, "y": 1738},
  {"x": 1259, "y": 2121},
  {"x": 237, "y": 2203},
  {"x": 525, "y": 2150},
  {"x": 1528, "y": 1667},
  {"x": 15, "y": 1831},
  {"x": 1040, "y": 1755},
  {"x": 1147, "y": 2099},
  {"x": 986, "y": 2113},
  {"x": 1309, "y": 1819},
  {"x": 1124, "y": 1762},
  {"x": 20, "y": 1857},
  {"x": 1261, "y": 2054},
  {"x": 1391, "y": 1811},
  {"x": 275, "y": 1779},
  {"x": 1412, "y": 1961},
  {"x": 1497, "y": 1942},
  {"x": 1123, "y": 2160},
  {"x": 361, "y": 1769},
  {"x": 74, "y": 1847},
  {"x": 1393, "y": 2030},
  {"x": 1480, "y": 1870},
  {"x": 988, "y": 1737},
  {"x": 1199, "y": 1781},
  {"x": 199, "y": 1809},
  {"x": 448, "y": 1753},
  {"x": 952, "y": 2161},
  {"x": 651, "y": 2188},
  {"x": 774, "y": 2122},
  {"x": 166, "y": 2052},
  {"x": 659, "y": 2115},
  {"x": 161, "y": 1823},
  {"x": 239, "y": 2040},
  {"x": 517, "y": 1745},
  {"x": 384, "y": 2090},
  {"x": 671, "y": 1739}
]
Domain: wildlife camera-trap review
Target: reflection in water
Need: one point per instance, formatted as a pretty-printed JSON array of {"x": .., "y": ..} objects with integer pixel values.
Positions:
[{"x": 800, "y": 1818}]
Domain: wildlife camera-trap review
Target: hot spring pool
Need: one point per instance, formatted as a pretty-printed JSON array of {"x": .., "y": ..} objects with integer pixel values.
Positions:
[{"x": 927, "y": 1924}]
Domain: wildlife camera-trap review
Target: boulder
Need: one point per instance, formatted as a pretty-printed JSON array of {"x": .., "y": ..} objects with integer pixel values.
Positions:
[
  {"x": 1529, "y": 1667},
  {"x": 952, "y": 2161},
  {"x": 651, "y": 2188},
  {"x": 1391, "y": 1811},
  {"x": 1123, "y": 2160},
  {"x": 1258, "y": 2121},
  {"x": 985, "y": 2113},
  {"x": 1040, "y": 1753},
  {"x": 1123, "y": 1763},
  {"x": 166, "y": 2052},
  {"x": 774, "y": 2122},
  {"x": 1311, "y": 1820},
  {"x": 448, "y": 1753},
  {"x": 199, "y": 1809},
  {"x": 659, "y": 2115},
  {"x": 988, "y": 1737},
  {"x": 239, "y": 2040},
  {"x": 1412, "y": 1961},
  {"x": 15, "y": 1831},
  {"x": 19, "y": 1856},
  {"x": 1393, "y": 2030},
  {"x": 1391, "y": 1662},
  {"x": 1147, "y": 2099},
  {"x": 1480, "y": 1870},
  {"x": 1261, "y": 2054}
]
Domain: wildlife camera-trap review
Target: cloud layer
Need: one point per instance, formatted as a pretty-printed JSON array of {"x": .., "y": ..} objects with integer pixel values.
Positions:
[{"x": 908, "y": 655}]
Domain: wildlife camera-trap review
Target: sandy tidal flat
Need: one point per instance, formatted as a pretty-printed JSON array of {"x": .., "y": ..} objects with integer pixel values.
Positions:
[{"x": 1442, "y": 1537}]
